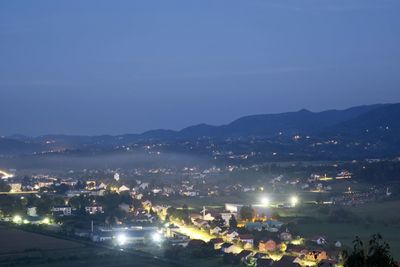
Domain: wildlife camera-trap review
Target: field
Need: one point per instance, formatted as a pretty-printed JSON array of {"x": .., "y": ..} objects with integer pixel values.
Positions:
[
  {"x": 21, "y": 241},
  {"x": 20, "y": 248}
]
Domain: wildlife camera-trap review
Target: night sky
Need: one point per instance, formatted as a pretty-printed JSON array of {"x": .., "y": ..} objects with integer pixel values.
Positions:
[{"x": 112, "y": 67}]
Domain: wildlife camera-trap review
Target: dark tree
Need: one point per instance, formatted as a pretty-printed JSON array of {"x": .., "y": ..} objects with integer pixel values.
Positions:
[
  {"x": 376, "y": 255},
  {"x": 233, "y": 222},
  {"x": 4, "y": 187},
  {"x": 247, "y": 213}
]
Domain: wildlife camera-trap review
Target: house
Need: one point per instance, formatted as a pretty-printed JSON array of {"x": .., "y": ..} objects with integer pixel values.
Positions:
[
  {"x": 254, "y": 226},
  {"x": 231, "y": 235},
  {"x": 217, "y": 242},
  {"x": 285, "y": 236},
  {"x": 94, "y": 209},
  {"x": 123, "y": 188},
  {"x": 200, "y": 223},
  {"x": 215, "y": 231},
  {"x": 320, "y": 240},
  {"x": 226, "y": 216},
  {"x": 316, "y": 255},
  {"x": 97, "y": 192},
  {"x": 267, "y": 245},
  {"x": 62, "y": 210},
  {"x": 102, "y": 186},
  {"x": 230, "y": 248},
  {"x": 273, "y": 224},
  {"x": 144, "y": 218},
  {"x": 31, "y": 211},
  {"x": 15, "y": 187},
  {"x": 102, "y": 236},
  {"x": 246, "y": 238},
  {"x": 297, "y": 250},
  {"x": 143, "y": 186},
  {"x": 147, "y": 204}
]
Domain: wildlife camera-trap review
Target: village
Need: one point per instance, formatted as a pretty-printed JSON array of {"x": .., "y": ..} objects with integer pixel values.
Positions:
[{"x": 173, "y": 219}]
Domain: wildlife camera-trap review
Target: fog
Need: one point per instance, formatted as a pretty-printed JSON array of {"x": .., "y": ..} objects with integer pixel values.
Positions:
[{"x": 111, "y": 160}]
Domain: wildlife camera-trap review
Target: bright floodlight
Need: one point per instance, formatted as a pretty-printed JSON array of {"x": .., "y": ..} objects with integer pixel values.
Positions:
[
  {"x": 17, "y": 219},
  {"x": 294, "y": 200},
  {"x": 156, "y": 237},
  {"x": 121, "y": 239},
  {"x": 265, "y": 201},
  {"x": 46, "y": 220}
]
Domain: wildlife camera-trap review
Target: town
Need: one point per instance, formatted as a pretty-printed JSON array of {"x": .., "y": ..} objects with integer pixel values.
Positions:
[{"x": 254, "y": 222}]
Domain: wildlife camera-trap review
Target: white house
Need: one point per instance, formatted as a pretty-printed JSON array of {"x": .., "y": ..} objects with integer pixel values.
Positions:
[
  {"x": 215, "y": 231},
  {"x": 62, "y": 210},
  {"x": 123, "y": 188},
  {"x": 231, "y": 235},
  {"x": 94, "y": 209}
]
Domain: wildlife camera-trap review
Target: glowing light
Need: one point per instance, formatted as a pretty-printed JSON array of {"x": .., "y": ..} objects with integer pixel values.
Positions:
[
  {"x": 6, "y": 175},
  {"x": 294, "y": 200},
  {"x": 156, "y": 237},
  {"x": 121, "y": 239},
  {"x": 46, "y": 221},
  {"x": 17, "y": 219},
  {"x": 265, "y": 201}
]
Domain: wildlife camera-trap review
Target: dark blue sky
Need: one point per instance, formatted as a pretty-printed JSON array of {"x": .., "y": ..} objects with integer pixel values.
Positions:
[{"x": 96, "y": 67}]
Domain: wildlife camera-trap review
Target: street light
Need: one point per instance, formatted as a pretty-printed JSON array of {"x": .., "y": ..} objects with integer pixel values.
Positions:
[
  {"x": 156, "y": 237},
  {"x": 294, "y": 200},
  {"x": 121, "y": 239},
  {"x": 265, "y": 201},
  {"x": 17, "y": 219}
]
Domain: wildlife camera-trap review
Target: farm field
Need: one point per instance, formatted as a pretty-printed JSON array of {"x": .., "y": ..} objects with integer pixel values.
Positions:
[
  {"x": 20, "y": 241},
  {"x": 21, "y": 248}
]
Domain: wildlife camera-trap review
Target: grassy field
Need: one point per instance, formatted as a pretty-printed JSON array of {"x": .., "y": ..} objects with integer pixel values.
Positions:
[
  {"x": 20, "y": 241},
  {"x": 21, "y": 248}
]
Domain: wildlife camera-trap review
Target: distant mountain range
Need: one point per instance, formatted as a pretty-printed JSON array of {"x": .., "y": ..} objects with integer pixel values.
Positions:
[
  {"x": 302, "y": 122},
  {"x": 378, "y": 123}
]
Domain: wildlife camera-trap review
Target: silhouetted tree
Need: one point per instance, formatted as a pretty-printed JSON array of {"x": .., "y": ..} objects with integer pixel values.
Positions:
[
  {"x": 376, "y": 255},
  {"x": 247, "y": 213},
  {"x": 232, "y": 222},
  {"x": 4, "y": 187}
]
